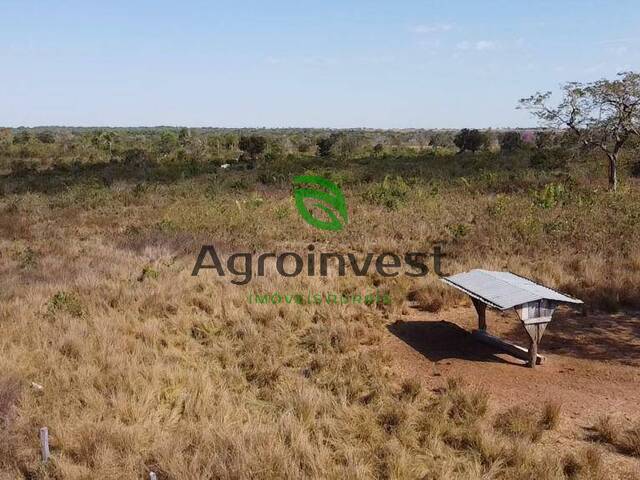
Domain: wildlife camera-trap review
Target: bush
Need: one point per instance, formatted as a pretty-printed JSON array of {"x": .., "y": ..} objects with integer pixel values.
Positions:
[
  {"x": 46, "y": 137},
  {"x": 135, "y": 156},
  {"x": 441, "y": 139},
  {"x": 511, "y": 141},
  {"x": 324, "y": 146},
  {"x": 471, "y": 140},
  {"x": 389, "y": 193},
  {"x": 168, "y": 141},
  {"x": 548, "y": 159},
  {"x": 148, "y": 272},
  {"x": 550, "y": 195},
  {"x": 304, "y": 146},
  {"x": 252, "y": 145},
  {"x": 22, "y": 167},
  {"x": 66, "y": 302},
  {"x": 543, "y": 139},
  {"x": 22, "y": 137}
]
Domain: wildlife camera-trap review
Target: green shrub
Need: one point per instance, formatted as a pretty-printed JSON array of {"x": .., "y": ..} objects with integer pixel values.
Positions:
[
  {"x": 66, "y": 302},
  {"x": 46, "y": 137},
  {"x": 550, "y": 195},
  {"x": 511, "y": 141},
  {"x": 252, "y": 145},
  {"x": 548, "y": 159},
  {"x": 22, "y": 137},
  {"x": 148, "y": 272},
  {"x": 324, "y": 146},
  {"x": 135, "y": 156},
  {"x": 28, "y": 258},
  {"x": 390, "y": 193},
  {"x": 472, "y": 140},
  {"x": 459, "y": 230}
]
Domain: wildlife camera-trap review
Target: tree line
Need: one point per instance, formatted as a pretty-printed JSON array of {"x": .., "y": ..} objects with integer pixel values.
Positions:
[{"x": 601, "y": 116}]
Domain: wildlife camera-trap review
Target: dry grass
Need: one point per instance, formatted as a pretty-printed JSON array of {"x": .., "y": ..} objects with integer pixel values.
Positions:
[
  {"x": 523, "y": 422},
  {"x": 9, "y": 394},
  {"x": 585, "y": 464},
  {"x": 624, "y": 438},
  {"x": 147, "y": 368},
  {"x": 550, "y": 416}
]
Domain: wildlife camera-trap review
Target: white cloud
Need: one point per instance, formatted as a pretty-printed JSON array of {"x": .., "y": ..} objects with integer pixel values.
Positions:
[
  {"x": 485, "y": 45},
  {"x": 377, "y": 59},
  {"x": 319, "y": 61},
  {"x": 429, "y": 45},
  {"x": 620, "y": 50},
  {"x": 432, "y": 28},
  {"x": 480, "y": 45},
  {"x": 614, "y": 41},
  {"x": 598, "y": 67}
]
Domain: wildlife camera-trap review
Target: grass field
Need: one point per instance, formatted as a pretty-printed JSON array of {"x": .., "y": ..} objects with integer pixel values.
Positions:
[{"x": 144, "y": 367}]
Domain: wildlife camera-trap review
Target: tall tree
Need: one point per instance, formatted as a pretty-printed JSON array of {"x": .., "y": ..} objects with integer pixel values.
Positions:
[
  {"x": 603, "y": 114},
  {"x": 511, "y": 141},
  {"x": 253, "y": 145},
  {"x": 472, "y": 140}
]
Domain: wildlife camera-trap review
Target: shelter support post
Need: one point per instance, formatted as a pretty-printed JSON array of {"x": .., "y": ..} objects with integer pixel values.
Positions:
[
  {"x": 535, "y": 317},
  {"x": 481, "y": 308},
  {"x": 533, "y": 353}
]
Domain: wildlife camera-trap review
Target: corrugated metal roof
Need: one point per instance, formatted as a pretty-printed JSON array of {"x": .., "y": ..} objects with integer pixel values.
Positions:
[{"x": 503, "y": 290}]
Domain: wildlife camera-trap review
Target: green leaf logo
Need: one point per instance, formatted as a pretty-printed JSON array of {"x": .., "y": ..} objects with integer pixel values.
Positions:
[{"x": 328, "y": 198}]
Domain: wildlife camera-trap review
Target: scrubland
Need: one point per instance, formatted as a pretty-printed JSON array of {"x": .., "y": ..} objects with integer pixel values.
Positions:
[{"x": 146, "y": 368}]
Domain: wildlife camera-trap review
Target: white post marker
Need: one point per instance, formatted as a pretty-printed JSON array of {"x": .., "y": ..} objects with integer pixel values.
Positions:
[
  {"x": 44, "y": 443},
  {"x": 153, "y": 476}
]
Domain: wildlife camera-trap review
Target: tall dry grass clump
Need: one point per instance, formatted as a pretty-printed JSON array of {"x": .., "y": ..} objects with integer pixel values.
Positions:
[
  {"x": 523, "y": 422},
  {"x": 624, "y": 438}
]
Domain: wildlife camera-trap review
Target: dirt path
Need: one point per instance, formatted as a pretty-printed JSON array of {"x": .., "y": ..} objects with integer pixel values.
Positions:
[{"x": 592, "y": 365}]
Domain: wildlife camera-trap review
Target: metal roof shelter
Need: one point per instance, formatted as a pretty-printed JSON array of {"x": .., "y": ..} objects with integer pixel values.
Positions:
[{"x": 533, "y": 302}]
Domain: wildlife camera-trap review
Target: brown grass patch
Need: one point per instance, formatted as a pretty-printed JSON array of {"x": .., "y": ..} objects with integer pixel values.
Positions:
[
  {"x": 624, "y": 438},
  {"x": 526, "y": 423}
]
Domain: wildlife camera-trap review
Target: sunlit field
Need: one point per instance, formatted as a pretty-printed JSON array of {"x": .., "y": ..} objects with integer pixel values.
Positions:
[{"x": 136, "y": 366}]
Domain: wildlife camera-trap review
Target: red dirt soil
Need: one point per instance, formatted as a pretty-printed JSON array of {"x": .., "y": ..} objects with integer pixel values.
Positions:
[{"x": 592, "y": 366}]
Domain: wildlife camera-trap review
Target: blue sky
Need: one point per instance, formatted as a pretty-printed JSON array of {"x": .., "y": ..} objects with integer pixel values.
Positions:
[{"x": 330, "y": 63}]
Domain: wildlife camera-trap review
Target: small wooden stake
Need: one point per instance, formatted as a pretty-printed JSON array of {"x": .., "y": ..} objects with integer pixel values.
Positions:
[{"x": 44, "y": 443}]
